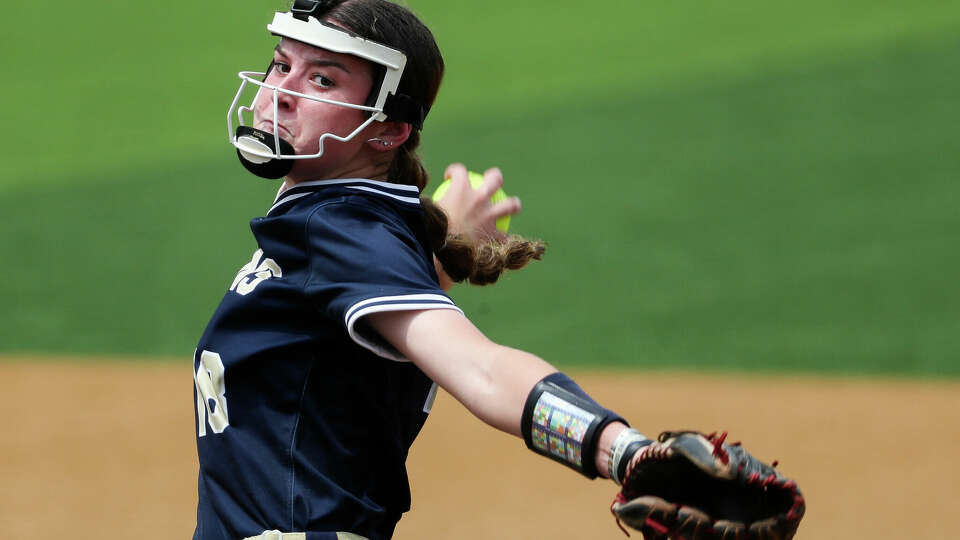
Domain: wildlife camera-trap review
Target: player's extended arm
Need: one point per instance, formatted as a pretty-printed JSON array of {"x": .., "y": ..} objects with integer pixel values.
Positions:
[
  {"x": 493, "y": 381},
  {"x": 685, "y": 485}
]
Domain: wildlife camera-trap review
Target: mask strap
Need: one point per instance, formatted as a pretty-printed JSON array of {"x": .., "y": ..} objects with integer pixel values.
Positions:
[
  {"x": 302, "y": 9},
  {"x": 403, "y": 108}
]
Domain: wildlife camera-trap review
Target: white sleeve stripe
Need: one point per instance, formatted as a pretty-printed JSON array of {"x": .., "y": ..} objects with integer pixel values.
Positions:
[
  {"x": 383, "y": 304},
  {"x": 433, "y": 298}
]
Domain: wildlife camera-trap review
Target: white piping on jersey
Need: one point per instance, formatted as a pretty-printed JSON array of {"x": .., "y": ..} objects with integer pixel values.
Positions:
[
  {"x": 386, "y": 189},
  {"x": 407, "y": 302},
  {"x": 385, "y": 185},
  {"x": 289, "y": 198},
  {"x": 414, "y": 200}
]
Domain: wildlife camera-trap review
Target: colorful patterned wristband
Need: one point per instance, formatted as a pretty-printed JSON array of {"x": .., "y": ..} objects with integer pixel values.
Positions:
[{"x": 562, "y": 422}]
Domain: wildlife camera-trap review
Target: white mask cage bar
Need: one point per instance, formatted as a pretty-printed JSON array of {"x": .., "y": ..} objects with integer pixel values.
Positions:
[{"x": 324, "y": 36}]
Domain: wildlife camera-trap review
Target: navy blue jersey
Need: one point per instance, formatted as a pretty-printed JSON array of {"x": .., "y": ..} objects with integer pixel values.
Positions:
[{"x": 304, "y": 415}]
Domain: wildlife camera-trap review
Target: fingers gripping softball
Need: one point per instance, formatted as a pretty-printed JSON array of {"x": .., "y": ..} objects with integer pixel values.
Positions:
[{"x": 477, "y": 201}]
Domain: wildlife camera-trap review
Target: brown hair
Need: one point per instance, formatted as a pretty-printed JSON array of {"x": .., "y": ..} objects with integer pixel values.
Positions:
[{"x": 462, "y": 257}]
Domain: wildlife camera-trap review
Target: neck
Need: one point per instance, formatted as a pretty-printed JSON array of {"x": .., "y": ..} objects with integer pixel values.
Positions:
[{"x": 370, "y": 171}]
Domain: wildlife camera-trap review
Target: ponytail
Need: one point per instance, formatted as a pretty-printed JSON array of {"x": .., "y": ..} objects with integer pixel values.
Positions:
[{"x": 481, "y": 262}]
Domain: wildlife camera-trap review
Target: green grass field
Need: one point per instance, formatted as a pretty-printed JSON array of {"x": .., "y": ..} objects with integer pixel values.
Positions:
[{"x": 745, "y": 186}]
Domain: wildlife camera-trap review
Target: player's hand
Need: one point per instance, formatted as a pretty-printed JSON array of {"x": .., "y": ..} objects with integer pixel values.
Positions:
[
  {"x": 698, "y": 487},
  {"x": 469, "y": 210}
]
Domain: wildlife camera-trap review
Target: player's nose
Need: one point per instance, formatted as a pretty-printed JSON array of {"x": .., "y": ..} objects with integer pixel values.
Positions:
[
  {"x": 292, "y": 83},
  {"x": 286, "y": 101}
]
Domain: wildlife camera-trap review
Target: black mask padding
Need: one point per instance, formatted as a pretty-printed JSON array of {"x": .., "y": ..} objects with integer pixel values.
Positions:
[
  {"x": 378, "y": 76},
  {"x": 272, "y": 168},
  {"x": 403, "y": 108}
]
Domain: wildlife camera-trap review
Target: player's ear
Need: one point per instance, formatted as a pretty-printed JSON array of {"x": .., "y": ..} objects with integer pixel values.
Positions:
[{"x": 390, "y": 135}]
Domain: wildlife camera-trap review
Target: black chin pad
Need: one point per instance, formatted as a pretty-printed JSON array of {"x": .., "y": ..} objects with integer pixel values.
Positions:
[{"x": 271, "y": 168}]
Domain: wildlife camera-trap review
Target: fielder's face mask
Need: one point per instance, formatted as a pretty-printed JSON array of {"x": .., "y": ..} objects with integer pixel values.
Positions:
[{"x": 265, "y": 154}]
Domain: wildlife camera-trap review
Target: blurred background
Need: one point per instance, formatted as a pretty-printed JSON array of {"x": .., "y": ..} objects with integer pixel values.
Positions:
[
  {"x": 764, "y": 193},
  {"x": 723, "y": 185}
]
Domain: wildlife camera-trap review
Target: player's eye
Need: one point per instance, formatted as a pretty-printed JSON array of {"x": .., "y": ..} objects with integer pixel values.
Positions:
[
  {"x": 282, "y": 68},
  {"x": 322, "y": 81}
]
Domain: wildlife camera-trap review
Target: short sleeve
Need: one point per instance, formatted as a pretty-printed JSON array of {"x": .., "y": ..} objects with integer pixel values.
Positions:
[{"x": 364, "y": 258}]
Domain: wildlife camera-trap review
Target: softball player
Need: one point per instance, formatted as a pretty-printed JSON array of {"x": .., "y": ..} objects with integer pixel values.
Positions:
[{"x": 321, "y": 363}]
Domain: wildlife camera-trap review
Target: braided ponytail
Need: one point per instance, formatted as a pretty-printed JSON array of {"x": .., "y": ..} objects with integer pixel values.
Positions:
[{"x": 481, "y": 262}]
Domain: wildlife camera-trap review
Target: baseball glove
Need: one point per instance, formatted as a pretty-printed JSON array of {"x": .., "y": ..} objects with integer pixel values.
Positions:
[{"x": 691, "y": 486}]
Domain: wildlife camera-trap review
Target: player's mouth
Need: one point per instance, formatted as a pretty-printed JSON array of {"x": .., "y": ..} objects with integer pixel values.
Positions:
[{"x": 267, "y": 125}]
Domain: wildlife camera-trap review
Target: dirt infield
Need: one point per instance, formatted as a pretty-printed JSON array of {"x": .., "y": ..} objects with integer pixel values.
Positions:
[{"x": 106, "y": 450}]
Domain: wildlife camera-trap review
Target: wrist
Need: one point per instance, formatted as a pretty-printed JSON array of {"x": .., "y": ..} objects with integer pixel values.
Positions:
[
  {"x": 605, "y": 447},
  {"x": 624, "y": 447}
]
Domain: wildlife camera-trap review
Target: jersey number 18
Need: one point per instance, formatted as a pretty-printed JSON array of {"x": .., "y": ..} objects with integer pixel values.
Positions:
[{"x": 211, "y": 394}]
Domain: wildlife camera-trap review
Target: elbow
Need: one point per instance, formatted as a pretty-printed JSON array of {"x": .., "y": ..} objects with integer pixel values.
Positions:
[
  {"x": 482, "y": 393},
  {"x": 493, "y": 396}
]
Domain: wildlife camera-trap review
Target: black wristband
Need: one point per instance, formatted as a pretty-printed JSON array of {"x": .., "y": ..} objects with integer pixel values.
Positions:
[{"x": 564, "y": 423}]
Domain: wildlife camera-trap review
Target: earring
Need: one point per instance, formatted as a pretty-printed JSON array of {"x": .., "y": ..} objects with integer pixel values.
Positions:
[{"x": 381, "y": 141}]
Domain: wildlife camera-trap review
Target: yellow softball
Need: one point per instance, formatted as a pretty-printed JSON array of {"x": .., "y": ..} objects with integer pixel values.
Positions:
[{"x": 475, "y": 180}]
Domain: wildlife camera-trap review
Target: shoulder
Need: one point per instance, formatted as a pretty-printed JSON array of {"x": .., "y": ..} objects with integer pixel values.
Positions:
[
  {"x": 353, "y": 208},
  {"x": 358, "y": 217},
  {"x": 352, "y": 218}
]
